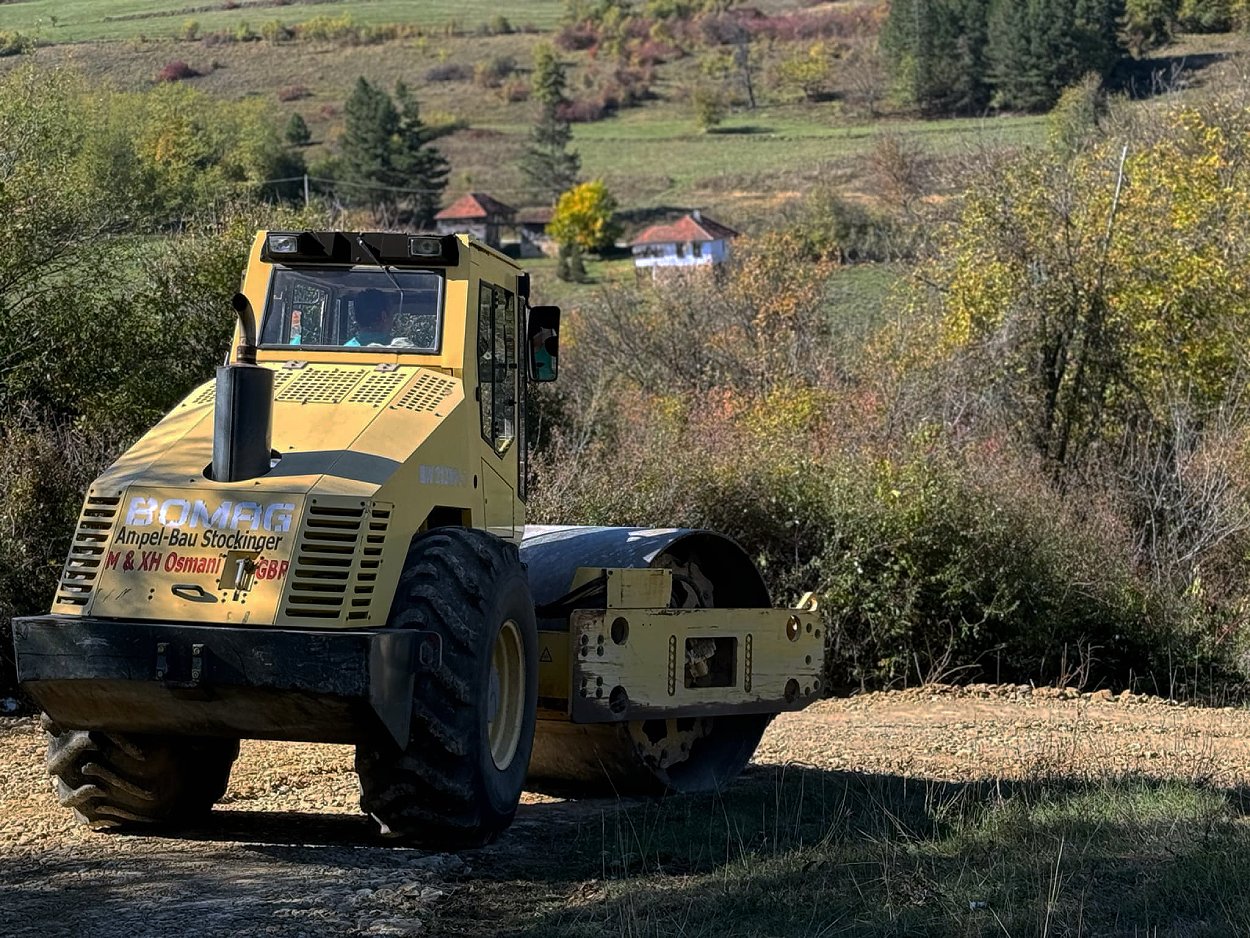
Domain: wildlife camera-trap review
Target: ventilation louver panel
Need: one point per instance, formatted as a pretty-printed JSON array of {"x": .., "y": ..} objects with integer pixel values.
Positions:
[
  {"x": 205, "y": 395},
  {"x": 208, "y": 393},
  {"x": 324, "y": 561},
  {"x": 430, "y": 390},
  {"x": 370, "y": 563},
  {"x": 321, "y": 386},
  {"x": 378, "y": 387},
  {"x": 87, "y": 551}
]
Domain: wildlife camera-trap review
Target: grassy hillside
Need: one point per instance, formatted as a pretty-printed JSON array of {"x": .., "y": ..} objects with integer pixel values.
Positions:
[
  {"x": 95, "y": 20},
  {"x": 652, "y": 156},
  {"x": 57, "y": 21}
]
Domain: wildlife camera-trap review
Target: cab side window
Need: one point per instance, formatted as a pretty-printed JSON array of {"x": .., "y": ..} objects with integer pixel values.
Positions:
[{"x": 497, "y": 365}]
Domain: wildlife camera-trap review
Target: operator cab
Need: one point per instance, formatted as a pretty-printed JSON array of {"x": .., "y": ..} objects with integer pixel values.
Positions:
[{"x": 354, "y": 308}]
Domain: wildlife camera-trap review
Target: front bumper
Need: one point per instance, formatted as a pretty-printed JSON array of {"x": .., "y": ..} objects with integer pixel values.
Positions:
[{"x": 199, "y": 680}]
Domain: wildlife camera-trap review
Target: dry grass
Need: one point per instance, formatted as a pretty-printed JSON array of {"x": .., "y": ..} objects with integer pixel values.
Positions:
[{"x": 797, "y": 851}]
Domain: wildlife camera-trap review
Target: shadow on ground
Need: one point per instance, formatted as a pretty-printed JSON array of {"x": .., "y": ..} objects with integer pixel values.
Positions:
[
  {"x": 786, "y": 851},
  {"x": 1159, "y": 74}
]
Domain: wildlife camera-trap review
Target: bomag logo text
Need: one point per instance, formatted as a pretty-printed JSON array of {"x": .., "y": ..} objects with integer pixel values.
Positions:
[{"x": 194, "y": 513}]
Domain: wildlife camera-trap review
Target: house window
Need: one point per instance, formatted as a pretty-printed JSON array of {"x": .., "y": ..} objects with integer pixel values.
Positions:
[
  {"x": 696, "y": 248},
  {"x": 497, "y": 365},
  {"x": 681, "y": 250}
]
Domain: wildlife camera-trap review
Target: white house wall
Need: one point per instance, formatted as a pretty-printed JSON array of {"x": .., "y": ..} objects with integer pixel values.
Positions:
[{"x": 665, "y": 255}]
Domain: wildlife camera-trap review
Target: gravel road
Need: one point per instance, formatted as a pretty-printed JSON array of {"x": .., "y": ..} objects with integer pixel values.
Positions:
[{"x": 287, "y": 853}]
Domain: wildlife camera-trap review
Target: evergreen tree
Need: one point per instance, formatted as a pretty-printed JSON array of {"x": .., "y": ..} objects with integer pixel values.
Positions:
[
  {"x": 388, "y": 158},
  {"x": 937, "y": 51},
  {"x": 548, "y": 163},
  {"x": 1010, "y": 54},
  {"x": 419, "y": 160},
  {"x": 958, "y": 56},
  {"x": 297, "y": 132}
]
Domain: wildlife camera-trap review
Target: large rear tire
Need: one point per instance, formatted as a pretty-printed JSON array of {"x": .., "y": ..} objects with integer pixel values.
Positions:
[
  {"x": 114, "y": 781},
  {"x": 458, "y": 781}
]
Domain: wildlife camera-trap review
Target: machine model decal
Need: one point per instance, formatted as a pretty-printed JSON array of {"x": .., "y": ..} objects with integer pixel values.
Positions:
[
  {"x": 440, "y": 475},
  {"x": 182, "y": 512}
]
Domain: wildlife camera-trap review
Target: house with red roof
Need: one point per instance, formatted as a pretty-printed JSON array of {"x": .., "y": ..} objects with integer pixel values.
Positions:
[
  {"x": 477, "y": 214},
  {"x": 691, "y": 242}
]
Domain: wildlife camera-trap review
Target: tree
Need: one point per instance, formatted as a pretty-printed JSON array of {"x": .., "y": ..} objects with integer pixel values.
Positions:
[
  {"x": 418, "y": 160},
  {"x": 1097, "y": 292},
  {"x": 709, "y": 105},
  {"x": 548, "y": 164},
  {"x": 584, "y": 217},
  {"x": 297, "y": 132},
  {"x": 956, "y": 56},
  {"x": 1148, "y": 23},
  {"x": 388, "y": 159},
  {"x": 809, "y": 70}
]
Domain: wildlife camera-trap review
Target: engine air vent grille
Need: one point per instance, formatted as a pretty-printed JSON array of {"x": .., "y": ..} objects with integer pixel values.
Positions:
[
  {"x": 430, "y": 390},
  {"x": 324, "y": 562},
  {"x": 321, "y": 386},
  {"x": 87, "y": 552},
  {"x": 378, "y": 388},
  {"x": 204, "y": 395},
  {"x": 370, "y": 563},
  {"x": 208, "y": 393}
]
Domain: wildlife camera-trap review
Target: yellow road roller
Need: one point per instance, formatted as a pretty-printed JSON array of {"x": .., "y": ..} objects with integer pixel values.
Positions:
[{"x": 327, "y": 543}]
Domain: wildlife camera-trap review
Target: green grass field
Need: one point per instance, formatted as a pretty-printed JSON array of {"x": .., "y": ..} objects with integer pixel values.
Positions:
[
  {"x": 60, "y": 21},
  {"x": 94, "y": 20}
]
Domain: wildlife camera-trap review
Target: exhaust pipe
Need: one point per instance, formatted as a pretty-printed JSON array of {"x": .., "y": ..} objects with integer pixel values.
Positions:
[{"x": 243, "y": 419}]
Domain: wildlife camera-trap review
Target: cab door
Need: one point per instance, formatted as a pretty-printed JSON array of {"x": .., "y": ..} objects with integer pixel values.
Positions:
[{"x": 498, "y": 398}]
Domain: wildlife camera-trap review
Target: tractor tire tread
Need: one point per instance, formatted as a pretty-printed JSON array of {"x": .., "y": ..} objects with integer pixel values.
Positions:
[
  {"x": 428, "y": 792},
  {"x": 113, "y": 780}
]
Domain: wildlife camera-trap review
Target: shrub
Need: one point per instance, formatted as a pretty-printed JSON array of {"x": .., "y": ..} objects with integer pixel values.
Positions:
[
  {"x": 190, "y": 31},
  {"x": 583, "y": 111},
  {"x": 328, "y": 29},
  {"x": 515, "y": 90},
  {"x": 293, "y": 92},
  {"x": 577, "y": 38},
  {"x": 491, "y": 73},
  {"x": 14, "y": 43},
  {"x": 274, "y": 31},
  {"x": 710, "y": 106},
  {"x": 449, "y": 71},
  {"x": 177, "y": 70}
]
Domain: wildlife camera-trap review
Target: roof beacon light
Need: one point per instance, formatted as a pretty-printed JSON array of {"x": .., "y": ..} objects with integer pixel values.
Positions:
[
  {"x": 284, "y": 244},
  {"x": 425, "y": 247}
]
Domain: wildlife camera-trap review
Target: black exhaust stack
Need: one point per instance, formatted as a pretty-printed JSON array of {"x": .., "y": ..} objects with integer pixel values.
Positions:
[{"x": 243, "y": 420}]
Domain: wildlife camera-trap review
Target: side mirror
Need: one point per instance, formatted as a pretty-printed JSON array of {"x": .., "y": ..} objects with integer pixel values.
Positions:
[{"x": 542, "y": 334}]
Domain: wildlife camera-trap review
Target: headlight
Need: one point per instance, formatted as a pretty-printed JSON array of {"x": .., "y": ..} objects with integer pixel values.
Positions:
[
  {"x": 425, "y": 247},
  {"x": 284, "y": 244}
]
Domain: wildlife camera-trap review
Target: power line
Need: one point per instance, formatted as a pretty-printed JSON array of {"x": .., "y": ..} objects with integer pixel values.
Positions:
[{"x": 337, "y": 183}]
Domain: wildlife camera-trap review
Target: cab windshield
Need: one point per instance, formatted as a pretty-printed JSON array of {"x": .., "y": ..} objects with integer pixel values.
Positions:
[{"x": 354, "y": 308}]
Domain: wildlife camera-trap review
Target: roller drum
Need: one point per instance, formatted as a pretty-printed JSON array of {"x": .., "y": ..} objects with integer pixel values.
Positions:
[{"x": 643, "y": 757}]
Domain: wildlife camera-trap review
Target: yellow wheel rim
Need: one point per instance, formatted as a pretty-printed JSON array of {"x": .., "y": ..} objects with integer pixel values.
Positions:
[{"x": 505, "y": 705}]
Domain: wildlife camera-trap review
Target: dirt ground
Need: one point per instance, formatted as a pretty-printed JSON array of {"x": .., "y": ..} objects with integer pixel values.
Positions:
[{"x": 287, "y": 853}]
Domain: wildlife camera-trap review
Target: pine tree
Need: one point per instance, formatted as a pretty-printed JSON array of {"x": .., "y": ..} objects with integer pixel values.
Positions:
[
  {"x": 1008, "y": 52},
  {"x": 388, "y": 158},
  {"x": 297, "y": 132},
  {"x": 422, "y": 163},
  {"x": 548, "y": 163}
]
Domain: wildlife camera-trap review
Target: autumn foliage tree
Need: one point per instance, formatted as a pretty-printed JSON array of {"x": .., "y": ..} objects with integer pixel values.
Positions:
[
  {"x": 583, "y": 221},
  {"x": 584, "y": 216}
]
